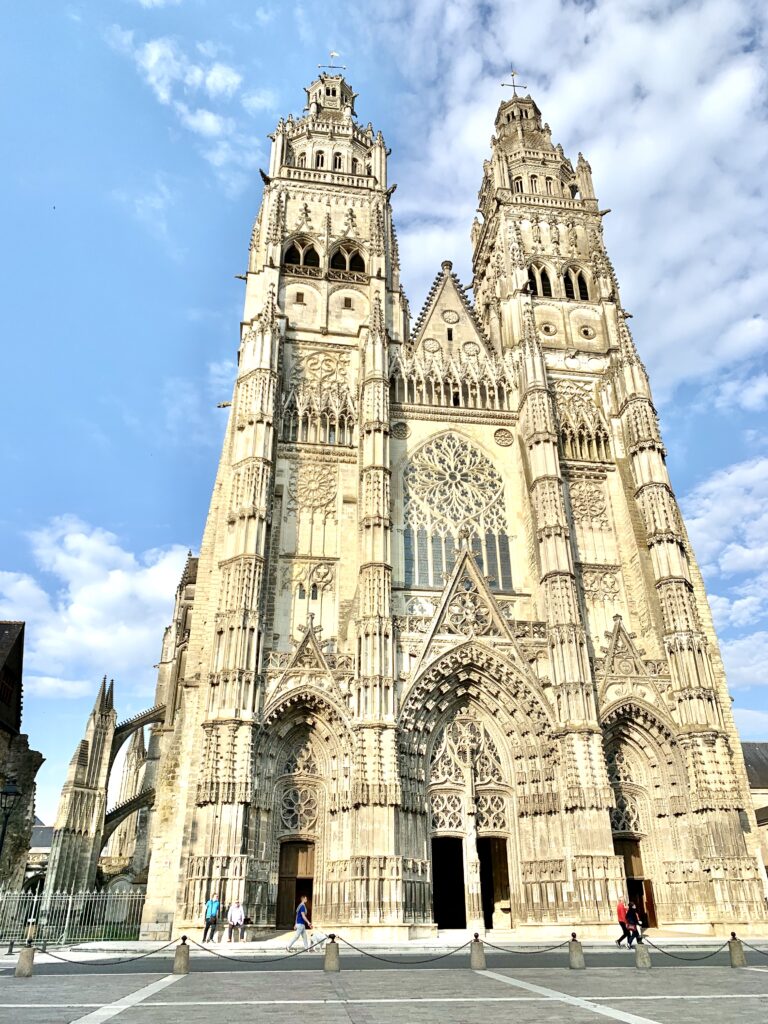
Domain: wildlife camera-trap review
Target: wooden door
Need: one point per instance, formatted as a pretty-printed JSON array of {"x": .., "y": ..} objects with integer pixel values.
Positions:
[{"x": 297, "y": 869}]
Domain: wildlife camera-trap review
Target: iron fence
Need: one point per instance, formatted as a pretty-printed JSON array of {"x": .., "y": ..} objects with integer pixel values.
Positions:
[{"x": 60, "y": 918}]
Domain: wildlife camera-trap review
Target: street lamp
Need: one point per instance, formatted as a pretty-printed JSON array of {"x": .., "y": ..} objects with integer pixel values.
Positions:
[{"x": 10, "y": 795}]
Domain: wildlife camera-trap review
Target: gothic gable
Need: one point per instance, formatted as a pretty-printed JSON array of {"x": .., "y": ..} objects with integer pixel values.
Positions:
[
  {"x": 447, "y": 321},
  {"x": 307, "y": 669},
  {"x": 467, "y": 611},
  {"x": 625, "y": 675}
]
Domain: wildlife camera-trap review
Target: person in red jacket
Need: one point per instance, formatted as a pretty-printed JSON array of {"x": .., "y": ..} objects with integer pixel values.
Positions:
[{"x": 621, "y": 914}]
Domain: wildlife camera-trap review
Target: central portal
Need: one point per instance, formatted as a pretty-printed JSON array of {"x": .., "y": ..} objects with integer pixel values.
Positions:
[{"x": 448, "y": 882}]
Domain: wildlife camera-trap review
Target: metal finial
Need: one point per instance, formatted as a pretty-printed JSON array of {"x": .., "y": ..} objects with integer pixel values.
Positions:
[{"x": 513, "y": 85}]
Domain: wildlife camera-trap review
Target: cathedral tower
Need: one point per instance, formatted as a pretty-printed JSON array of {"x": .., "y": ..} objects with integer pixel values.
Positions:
[{"x": 445, "y": 659}]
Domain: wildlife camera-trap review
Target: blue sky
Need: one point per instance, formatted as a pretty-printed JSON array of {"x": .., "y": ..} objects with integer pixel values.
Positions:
[{"x": 134, "y": 133}]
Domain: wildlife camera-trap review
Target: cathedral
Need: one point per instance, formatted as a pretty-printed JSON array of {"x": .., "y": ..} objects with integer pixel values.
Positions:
[{"x": 445, "y": 659}]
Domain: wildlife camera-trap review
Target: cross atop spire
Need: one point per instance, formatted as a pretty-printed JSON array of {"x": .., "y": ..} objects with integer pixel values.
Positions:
[{"x": 513, "y": 85}]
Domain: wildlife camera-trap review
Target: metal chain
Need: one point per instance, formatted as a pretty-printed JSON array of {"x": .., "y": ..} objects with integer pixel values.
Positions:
[
  {"x": 105, "y": 963},
  {"x": 749, "y": 945},
  {"x": 250, "y": 959},
  {"x": 526, "y": 952},
  {"x": 400, "y": 963},
  {"x": 675, "y": 956}
]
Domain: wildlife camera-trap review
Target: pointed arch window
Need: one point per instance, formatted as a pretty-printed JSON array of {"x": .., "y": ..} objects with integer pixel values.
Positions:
[
  {"x": 548, "y": 186},
  {"x": 451, "y": 488},
  {"x": 348, "y": 258},
  {"x": 539, "y": 281},
  {"x": 534, "y": 183},
  {"x": 337, "y": 161},
  {"x": 301, "y": 253},
  {"x": 575, "y": 285},
  {"x": 320, "y": 159},
  {"x": 302, "y": 161},
  {"x": 517, "y": 184},
  {"x": 355, "y": 165}
]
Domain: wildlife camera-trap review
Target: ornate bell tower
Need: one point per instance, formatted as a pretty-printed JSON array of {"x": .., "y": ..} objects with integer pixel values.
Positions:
[
  {"x": 292, "y": 624},
  {"x": 611, "y": 547}
]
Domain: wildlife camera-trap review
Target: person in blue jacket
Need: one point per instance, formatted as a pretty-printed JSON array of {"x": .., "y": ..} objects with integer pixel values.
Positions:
[
  {"x": 211, "y": 914},
  {"x": 302, "y": 923}
]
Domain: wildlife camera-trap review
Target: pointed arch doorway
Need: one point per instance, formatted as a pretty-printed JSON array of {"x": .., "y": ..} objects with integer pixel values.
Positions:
[
  {"x": 469, "y": 807},
  {"x": 296, "y": 879}
]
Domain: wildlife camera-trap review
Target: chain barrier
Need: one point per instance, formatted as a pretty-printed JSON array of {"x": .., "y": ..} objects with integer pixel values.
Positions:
[
  {"x": 526, "y": 952},
  {"x": 256, "y": 960},
  {"x": 676, "y": 956},
  {"x": 749, "y": 945},
  {"x": 387, "y": 960},
  {"x": 104, "y": 963}
]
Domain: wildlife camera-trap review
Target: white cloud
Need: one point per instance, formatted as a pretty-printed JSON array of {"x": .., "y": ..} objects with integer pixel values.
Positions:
[
  {"x": 746, "y": 659},
  {"x": 95, "y": 608},
  {"x": 752, "y": 725},
  {"x": 174, "y": 78},
  {"x": 664, "y": 99},
  {"x": 727, "y": 514},
  {"x": 159, "y": 3},
  {"x": 204, "y": 122},
  {"x": 222, "y": 80},
  {"x": 260, "y": 99}
]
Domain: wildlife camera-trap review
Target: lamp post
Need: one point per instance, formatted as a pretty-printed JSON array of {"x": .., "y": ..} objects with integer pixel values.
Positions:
[{"x": 10, "y": 795}]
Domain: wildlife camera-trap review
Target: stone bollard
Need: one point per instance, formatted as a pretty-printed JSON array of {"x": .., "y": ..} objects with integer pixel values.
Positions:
[
  {"x": 25, "y": 965},
  {"x": 575, "y": 954},
  {"x": 181, "y": 957},
  {"x": 332, "y": 960},
  {"x": 736, "y": 951},
  {"x": 642, "y": 956},
  {"x": 477, "y": 955}
]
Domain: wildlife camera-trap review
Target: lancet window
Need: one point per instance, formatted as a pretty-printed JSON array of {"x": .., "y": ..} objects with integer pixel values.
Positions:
[
  {"x": 301, "y": 257},
  {"x": 539, "y": 281},
  {"x": 575, "y": 285},
  {"x": 347, "y": 262},
  {"x": 450, "y": 490}
]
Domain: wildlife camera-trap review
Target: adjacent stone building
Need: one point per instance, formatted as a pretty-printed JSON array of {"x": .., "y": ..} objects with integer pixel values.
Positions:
[
  {"x": 18, "y": 763},
  {"x": 446, "y": 658}
]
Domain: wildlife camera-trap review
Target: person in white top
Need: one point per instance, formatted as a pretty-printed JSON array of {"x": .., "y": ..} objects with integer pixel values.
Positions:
[{"x": 235, "y": 919}]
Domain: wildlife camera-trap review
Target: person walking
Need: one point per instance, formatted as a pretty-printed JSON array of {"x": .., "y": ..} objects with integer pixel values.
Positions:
[
  {"x": 633, "y": 925},
  {"x": 235, "y": 919},
  {"x": 211, "y": 914},
  {"x": 302, "y": 923},
  {"x": 621, "y": 914}
]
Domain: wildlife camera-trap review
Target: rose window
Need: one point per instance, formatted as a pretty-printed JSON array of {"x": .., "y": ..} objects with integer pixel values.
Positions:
[
  {"x": 298, "y": 809},
  {"x": 451, "y": 489}
]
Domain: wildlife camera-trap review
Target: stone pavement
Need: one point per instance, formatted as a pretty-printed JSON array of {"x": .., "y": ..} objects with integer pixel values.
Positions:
[{"x": 399, "y": 995}]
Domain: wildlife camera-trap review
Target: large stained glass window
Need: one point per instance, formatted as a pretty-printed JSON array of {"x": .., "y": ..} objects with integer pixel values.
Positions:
[{"x": 451, "y": 488}]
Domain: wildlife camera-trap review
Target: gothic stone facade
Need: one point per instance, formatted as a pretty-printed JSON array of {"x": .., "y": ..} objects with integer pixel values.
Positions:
[{"x": 447, "y": 659}]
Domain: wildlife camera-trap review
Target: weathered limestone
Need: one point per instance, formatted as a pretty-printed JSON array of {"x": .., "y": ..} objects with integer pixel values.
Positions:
[{"x": 447, "y": 660}]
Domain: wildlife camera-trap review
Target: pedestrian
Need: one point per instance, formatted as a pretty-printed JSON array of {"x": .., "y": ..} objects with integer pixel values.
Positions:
[
  {"x": 633, "y": 925},
  {"x": 211, "y": 914},
  {"x": 621, "y": 914},
  {"x": 302, "y": 923},
  {"x": 235, "y": 919}
]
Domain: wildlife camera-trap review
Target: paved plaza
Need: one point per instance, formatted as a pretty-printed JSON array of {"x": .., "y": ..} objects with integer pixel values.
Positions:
[{"x": 370, "y": 991}]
